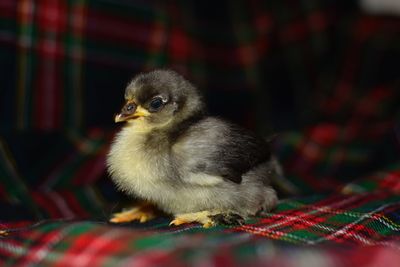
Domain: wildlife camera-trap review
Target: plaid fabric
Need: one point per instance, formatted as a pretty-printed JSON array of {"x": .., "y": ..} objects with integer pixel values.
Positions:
[
  {"x": 340, "y": 221},
  {"x": 68, "y": 180},
  {"x": 321, "y": 74},
  {"x": 68, "y": 58}
]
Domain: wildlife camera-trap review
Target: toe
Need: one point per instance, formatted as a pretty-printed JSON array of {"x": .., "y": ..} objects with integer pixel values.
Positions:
[
  {"x": 145, "y": 217},
  {"x": 178, "y": 221},
  {"x": 208, "y": 224},
  {"x": 120, "y": 219},
  {"x": 115, "y": 220},
  {"x": 142, "y": 214},
  {"x": 202, "y": 217},
  {"x": 3, "y": 233}
]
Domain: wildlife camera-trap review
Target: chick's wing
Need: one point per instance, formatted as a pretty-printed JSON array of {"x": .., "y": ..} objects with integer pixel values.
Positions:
[{"x": 218, "y": 149}]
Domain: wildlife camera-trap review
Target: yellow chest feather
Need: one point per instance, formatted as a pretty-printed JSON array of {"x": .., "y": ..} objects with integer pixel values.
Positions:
[{"x": 132, "y": 167}]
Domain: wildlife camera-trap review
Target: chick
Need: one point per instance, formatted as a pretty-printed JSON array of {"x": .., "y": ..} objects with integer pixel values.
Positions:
[{"x": 174, "y": 157}]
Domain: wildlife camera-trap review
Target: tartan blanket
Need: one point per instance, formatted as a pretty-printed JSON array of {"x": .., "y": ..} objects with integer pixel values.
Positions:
[
  {"x": 314, "y": 231},
  {"x": 358, "y": 223},
  {"x": 323, "y": 75}
]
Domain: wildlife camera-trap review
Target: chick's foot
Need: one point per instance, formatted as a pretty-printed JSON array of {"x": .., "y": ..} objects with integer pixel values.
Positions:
[
  {"x": 143, "y": 212},
  {"x": 202, "y": 217}
]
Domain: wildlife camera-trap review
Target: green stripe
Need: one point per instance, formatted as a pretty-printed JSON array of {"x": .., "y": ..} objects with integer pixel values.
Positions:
[
  {"x": 26, "y": 71},
  {"x": 73, "y": 70},
  {"x": 94, "y": 206}
]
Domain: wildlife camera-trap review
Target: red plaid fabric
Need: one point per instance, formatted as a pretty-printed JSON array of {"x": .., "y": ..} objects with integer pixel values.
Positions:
[{"x": 320, "y": 74}]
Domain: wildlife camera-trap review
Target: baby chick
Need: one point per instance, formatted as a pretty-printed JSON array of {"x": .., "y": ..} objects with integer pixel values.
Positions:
[{"x": 174, "y": 157}]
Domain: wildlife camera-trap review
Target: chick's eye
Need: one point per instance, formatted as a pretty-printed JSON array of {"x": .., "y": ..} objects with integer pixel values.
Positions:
[
  {"x": 129, "y": 107},
  {"x": 156, "y": 103}
]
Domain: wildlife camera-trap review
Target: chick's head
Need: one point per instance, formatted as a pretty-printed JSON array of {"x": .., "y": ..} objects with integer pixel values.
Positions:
[{"x": 160, "y": 98}]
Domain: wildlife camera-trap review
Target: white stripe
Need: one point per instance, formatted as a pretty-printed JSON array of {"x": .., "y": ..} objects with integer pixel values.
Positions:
[
  {"x": 344, "y": 201},
  {"x": 344, "y": 230},
  {"x": 328, "y": 209},
  {"x": 373, "y": 216}
]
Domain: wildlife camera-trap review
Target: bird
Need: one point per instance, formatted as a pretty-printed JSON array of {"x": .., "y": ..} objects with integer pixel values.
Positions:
[{"x": 175, "y": 158}]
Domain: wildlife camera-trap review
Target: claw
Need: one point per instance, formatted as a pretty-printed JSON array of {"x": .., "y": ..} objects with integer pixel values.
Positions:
[{"x": 177, "y": 222}]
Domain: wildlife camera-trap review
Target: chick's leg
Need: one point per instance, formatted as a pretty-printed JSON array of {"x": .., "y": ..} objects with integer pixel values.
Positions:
[
  {"x": 202, "y": 217},
  {"x": 142, "y": 212}
]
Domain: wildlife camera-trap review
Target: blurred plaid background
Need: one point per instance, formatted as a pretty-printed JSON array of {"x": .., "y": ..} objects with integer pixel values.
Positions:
[
  {"x": 322, "y": 74},
  {"x": 267, "y": 64}
]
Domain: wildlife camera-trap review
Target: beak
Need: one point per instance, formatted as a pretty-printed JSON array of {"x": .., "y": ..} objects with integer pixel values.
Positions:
[{"x": 130, "y": 111}]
